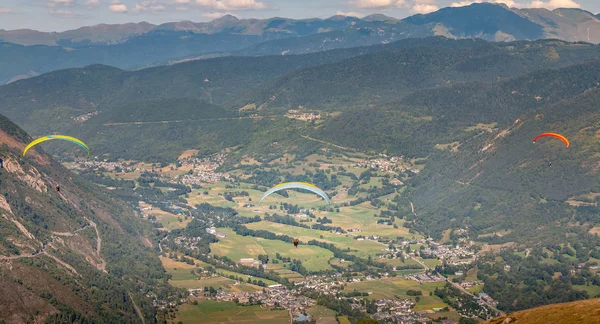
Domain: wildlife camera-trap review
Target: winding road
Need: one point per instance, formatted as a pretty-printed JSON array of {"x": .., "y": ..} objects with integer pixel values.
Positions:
[{"x": 43, "y": 250}]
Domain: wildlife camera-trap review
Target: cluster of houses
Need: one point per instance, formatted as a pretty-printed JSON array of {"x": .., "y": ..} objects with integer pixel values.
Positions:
[
  {"x": 250, "y": 262},
  {"x": 272, "y": 296},
  {"x": 388, "y": 309},
  {"x": 398, "y": 311},
  {"x": 425, "y": 277},
  {"x": 203, "y": 169},
  {"x": 448, "y": 252},
  {"x": 84, "y": 117},
  {"x": 385, "y": 164},
  {"x": 483, "y": 298},
  {"x": 323, "y": 285},
  {"x": 201, "y": 177},
  {"x": 469, "y": 284},
  {"x": 109, "y": 166},
  {"x": 210, "y": 163},
  {"x": 187, "y": 242},
  {"x": 295, "y": 114},
  {"x": 370, "y": 237},
  {"x": 212, "y": 230}
]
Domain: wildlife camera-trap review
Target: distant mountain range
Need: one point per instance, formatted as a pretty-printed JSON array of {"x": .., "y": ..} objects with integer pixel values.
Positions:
[
  {"x": 103, "y": 34},
  {"x": 136, "y": 45}
]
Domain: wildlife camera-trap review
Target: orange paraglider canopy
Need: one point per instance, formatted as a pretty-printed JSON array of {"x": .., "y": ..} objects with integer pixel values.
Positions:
[{"x": 555, "y": 135}]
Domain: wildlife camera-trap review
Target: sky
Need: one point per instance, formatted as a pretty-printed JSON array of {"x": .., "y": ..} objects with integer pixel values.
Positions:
[{"x": 61, "y": 15}]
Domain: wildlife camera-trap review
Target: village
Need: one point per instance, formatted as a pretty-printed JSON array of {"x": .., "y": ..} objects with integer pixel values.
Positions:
[
  {"x": 121, "y": 166},
  {"x": 200, "y": 171},
  {"x": 307, "y": 117},
  {"x": 398, "y": 311},
  {"x": 210, "y": 163},
  {"x": 274, "y": 297},
  {"x": 279, "y": 297},
  {"x": 452, "y": 255},
  {"x": 386, "y": 163},
  {"x": 203, "y": 177}
]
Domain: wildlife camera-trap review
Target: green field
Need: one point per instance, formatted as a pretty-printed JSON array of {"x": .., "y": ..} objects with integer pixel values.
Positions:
[
  {"x": 431, "y": 262},
  {"x": 235, "y": 247},
  {"x": 168, "y": 220},
  {"x": 322, "y": 315},
  {"x": 593, "y": 291},
  {"x": 452, "y": 315},
  {"x": 226, "y": 273},
  {"x": 344, "y": 320},
  {"x": 388, "y": 288},
  {"x": 182, "y": 277},
  {"x": 181, "y": 274},
  {"x": 227, "y": 312},
  {"x": 475, "y": 289},
  {"x": 365, "y": 247},
  {"x": 216, "y": 282}
]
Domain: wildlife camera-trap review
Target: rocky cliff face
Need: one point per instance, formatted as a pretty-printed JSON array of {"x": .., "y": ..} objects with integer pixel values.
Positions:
[{"x": 70, "y": 254}]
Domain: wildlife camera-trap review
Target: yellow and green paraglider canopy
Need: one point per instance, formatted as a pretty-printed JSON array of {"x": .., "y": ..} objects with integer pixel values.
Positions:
[{"x": 52, "y": 137}]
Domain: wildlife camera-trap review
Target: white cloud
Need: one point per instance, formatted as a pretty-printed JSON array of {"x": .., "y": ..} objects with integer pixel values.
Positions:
[
  {"x": 92, "y": 3},
  {"x": 231, "y": 4},
  {"x": 5, "y": 11},
  {"x": 182, "y": 1},
  {"x": 151, "y": 6},
  {"x": 373, "y": 3},
  {"x": 548, "y": 4},
  {"x": 424, "y": 8},
  {"x": 554, "y": 4},
  {"x": 350, "y": 14},
  {"x": 217, "y": 15},
  {"x": 116, "y": 6},
  {"x": 510, "y": 3},
  {"x": 464, "y": 3}
]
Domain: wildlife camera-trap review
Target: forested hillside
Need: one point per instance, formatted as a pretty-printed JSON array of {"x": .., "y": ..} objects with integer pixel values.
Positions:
[
  {"x": 386, "y": 76},
  {"x": 77, "y": 251}
]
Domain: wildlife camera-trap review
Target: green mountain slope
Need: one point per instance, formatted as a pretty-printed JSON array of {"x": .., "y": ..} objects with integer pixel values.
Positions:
[
  {"x": 98, "y": 102},
  {"x": 215, "y": 80},
  {"x": 386, "y": 76},
  {"x": 69, "y": 254},
  {"x": 482, "y": 170}
]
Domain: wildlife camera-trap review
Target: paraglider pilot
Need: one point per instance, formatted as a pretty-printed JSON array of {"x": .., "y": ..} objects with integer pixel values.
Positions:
[
  {"x": 295, "y": 241},
  {"x": 57, "y": 188}
]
